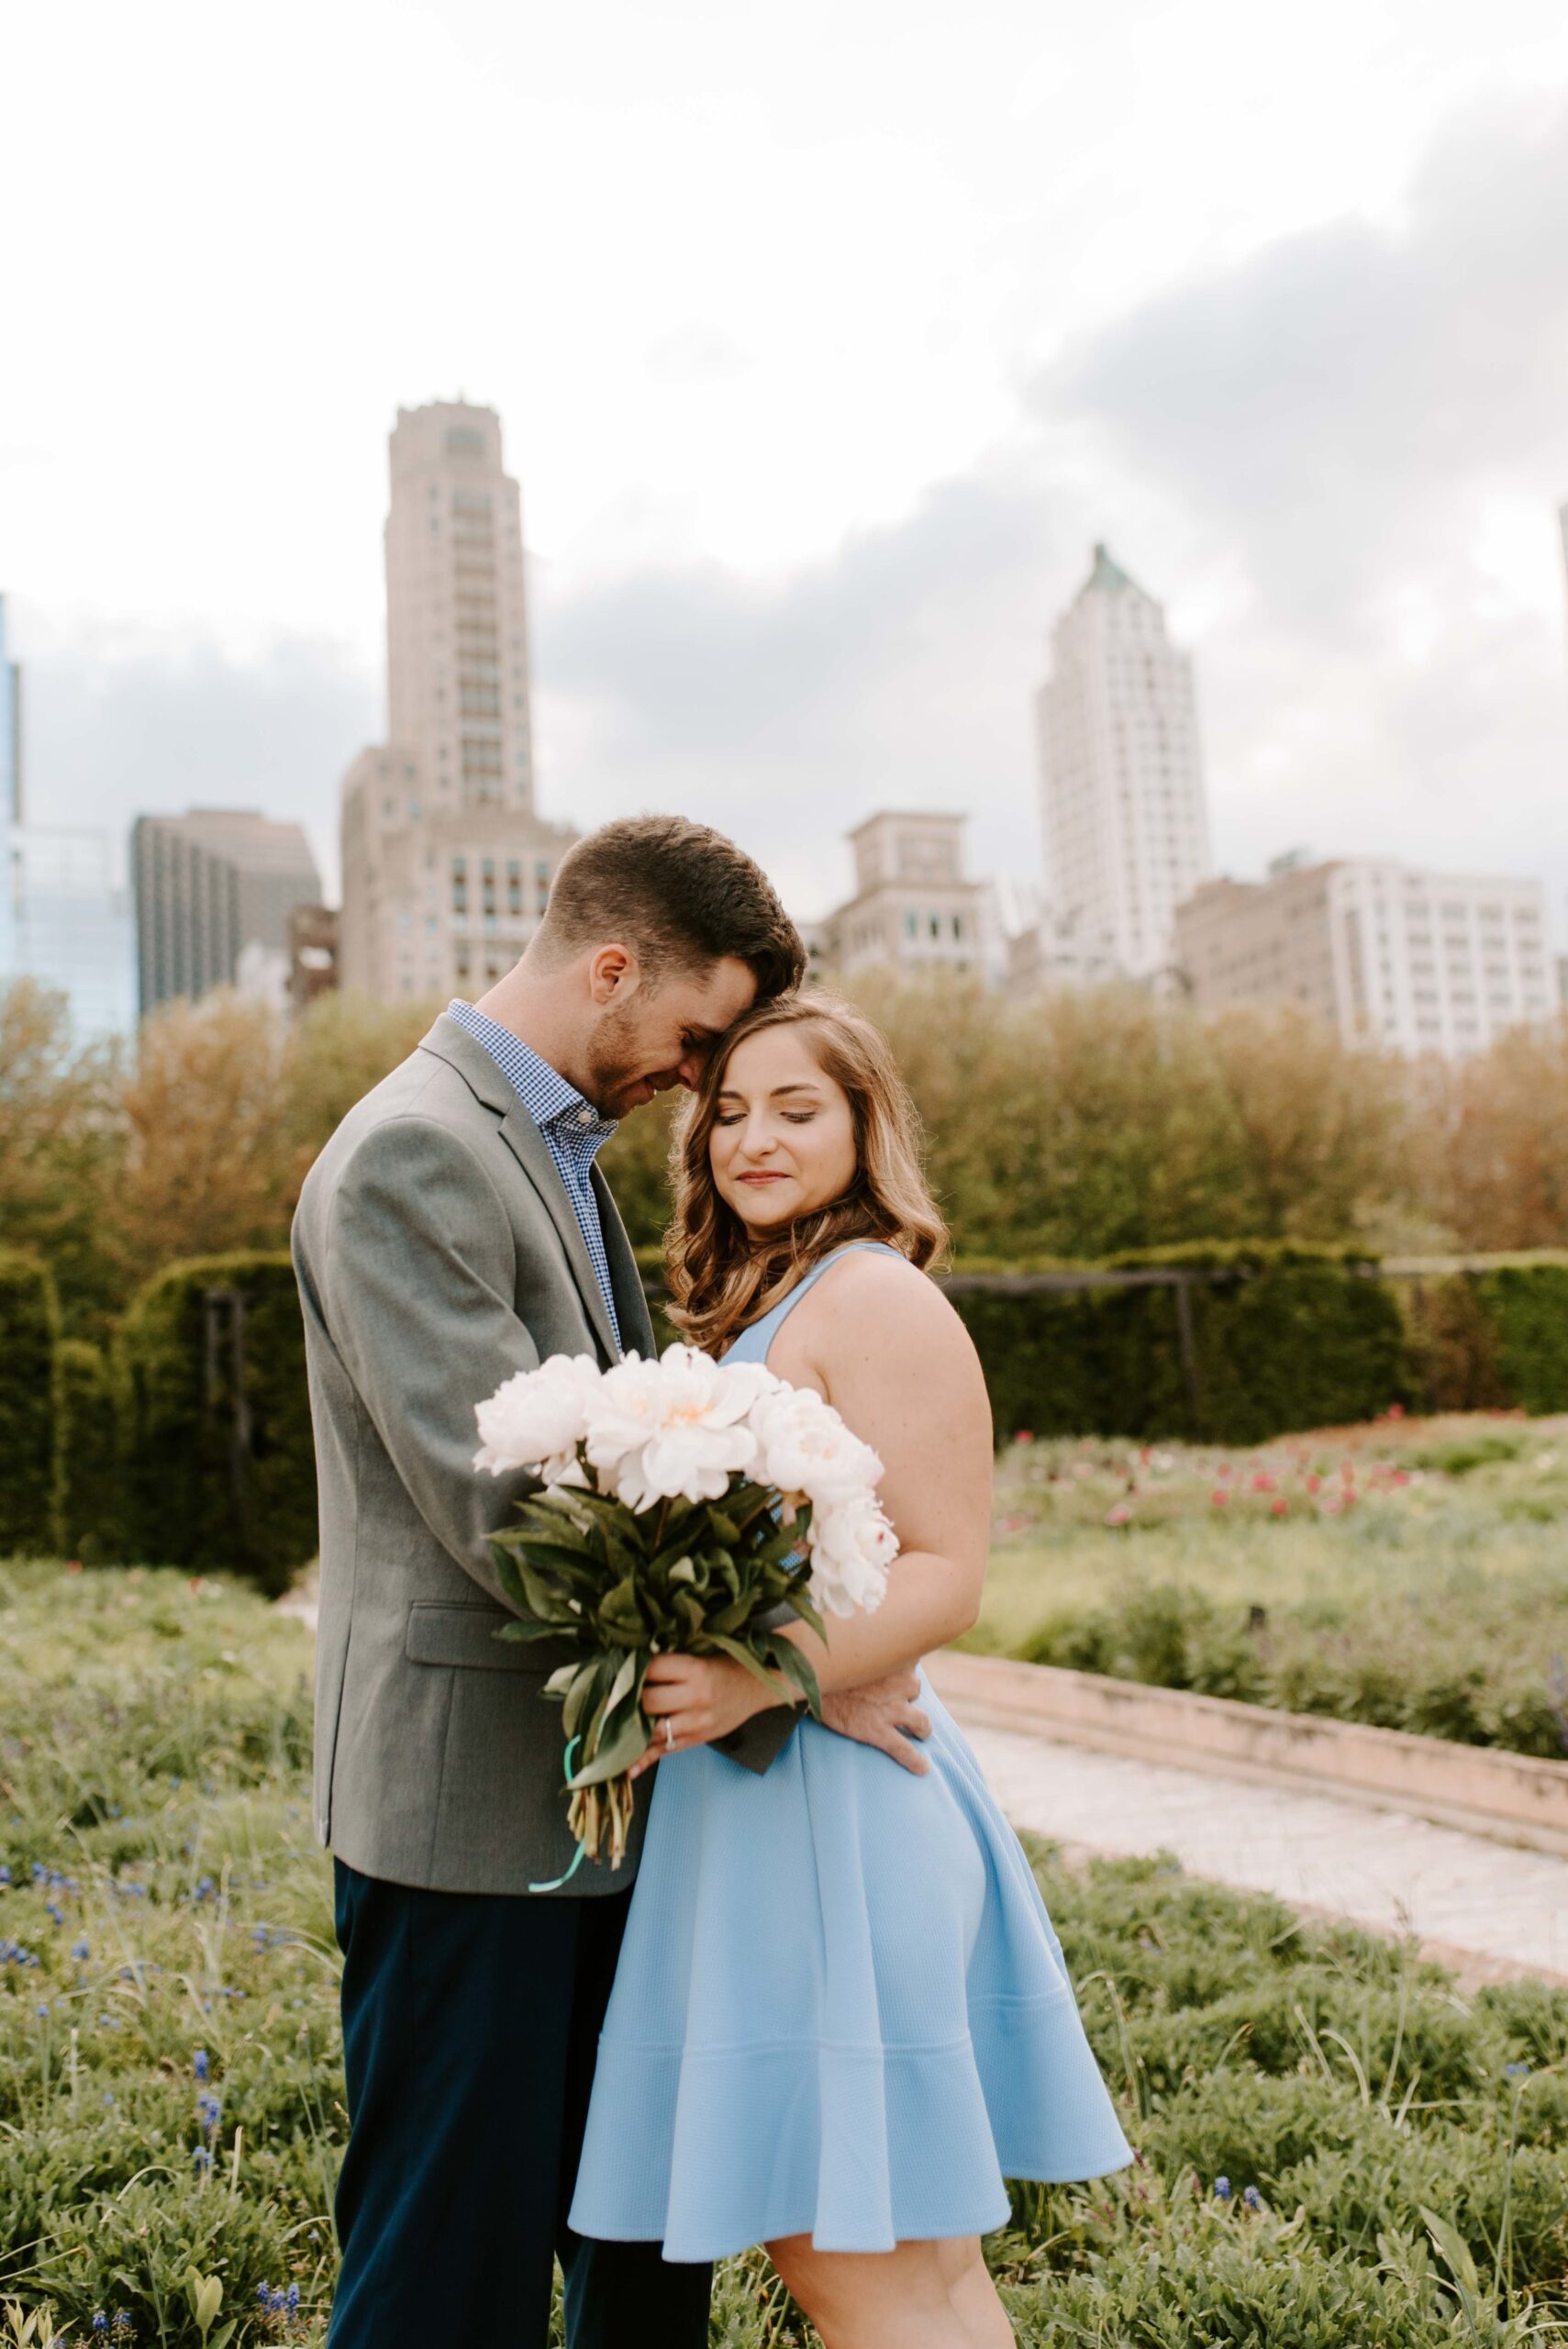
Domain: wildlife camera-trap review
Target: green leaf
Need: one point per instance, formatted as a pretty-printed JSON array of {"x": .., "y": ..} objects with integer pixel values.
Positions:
[
  {"x": 742, "y": 1655},
  {"x": 587, "y": 1687},
  {"x": 527, "y": 1627},
  {"x": 618, "y": 1752},
  {"x": 797, "y": 1668}
]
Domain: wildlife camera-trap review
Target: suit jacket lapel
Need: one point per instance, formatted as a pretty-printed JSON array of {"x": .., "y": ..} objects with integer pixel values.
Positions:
[
  {"x": 451, "y": 1041},
  {"x": 631, "y": 1300},
  {"x": 531, "y": 1152}
]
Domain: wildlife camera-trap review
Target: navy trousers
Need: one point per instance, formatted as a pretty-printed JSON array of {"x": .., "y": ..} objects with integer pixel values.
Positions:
[{"x": 470, "y": 2026}]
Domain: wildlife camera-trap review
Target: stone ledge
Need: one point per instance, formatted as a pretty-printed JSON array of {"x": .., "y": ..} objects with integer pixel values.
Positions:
[{"x": 1509, "y": 1797}]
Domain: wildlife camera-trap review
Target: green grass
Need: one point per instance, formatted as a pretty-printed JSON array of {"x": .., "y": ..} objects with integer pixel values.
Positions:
[
  {"x": 153, "y": 1766},
  {"x": 1413, "y": 1575}
]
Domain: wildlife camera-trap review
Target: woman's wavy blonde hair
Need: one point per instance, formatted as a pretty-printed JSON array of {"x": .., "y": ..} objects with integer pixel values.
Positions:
[{"x": 720, "y": 1278}]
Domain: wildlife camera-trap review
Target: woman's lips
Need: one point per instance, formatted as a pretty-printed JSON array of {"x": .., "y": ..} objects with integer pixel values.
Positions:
[{"x": 763, "y": 1178}]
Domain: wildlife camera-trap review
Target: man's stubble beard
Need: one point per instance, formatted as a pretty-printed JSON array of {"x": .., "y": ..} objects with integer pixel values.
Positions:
[{"x": 614, "y": 1067}]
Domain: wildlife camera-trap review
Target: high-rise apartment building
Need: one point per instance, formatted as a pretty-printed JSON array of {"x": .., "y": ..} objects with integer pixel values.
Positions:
[
  {"x": 1121, "y": 773},
  {"x": 214, "y": 890},
  {"x": 64, "y": 919},
  {"x": 914, "y": 908},
  {"x": 447, "y": 867},
  {"x": 1387, "y": 953}
]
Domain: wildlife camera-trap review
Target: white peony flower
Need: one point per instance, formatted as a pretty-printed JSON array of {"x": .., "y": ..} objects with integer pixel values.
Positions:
[
  {"x": 804, "y": 1448},
  {"x": 851, "y": 1546},
  {"x": 538, "y": 1418},
  {"x": 677, "y": 1428}
]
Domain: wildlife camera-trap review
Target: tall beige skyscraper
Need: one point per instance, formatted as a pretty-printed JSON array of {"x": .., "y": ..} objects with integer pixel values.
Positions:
[
  {"x": 446, "y": 865},
  {"x": 1121, "y": 772}
]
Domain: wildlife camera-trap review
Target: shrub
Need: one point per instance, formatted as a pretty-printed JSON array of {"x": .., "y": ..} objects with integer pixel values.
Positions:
[
  {"x": 1492, "y": 1337},
  {"x": 1300, "y": 1337},
  {"x": 30, "y": 1447},
  {"x": 218, "y": 1468},
  {"x": 1527, "y": 1306},
  {"x": 89, "y": 1481}
]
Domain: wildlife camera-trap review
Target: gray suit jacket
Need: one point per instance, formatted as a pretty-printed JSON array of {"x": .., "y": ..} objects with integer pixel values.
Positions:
[{"x": 438, "y": 1253}]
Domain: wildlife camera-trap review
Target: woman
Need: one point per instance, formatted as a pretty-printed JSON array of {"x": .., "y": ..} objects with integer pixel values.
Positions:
[{"x": 841, "y": 2016}]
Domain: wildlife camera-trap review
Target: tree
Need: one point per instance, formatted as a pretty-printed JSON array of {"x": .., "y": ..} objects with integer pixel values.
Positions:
[
  {"x": 207, "y": 1154},
  {"x": 1324, "y": 1130},
  {"x": 1502, "y": 1141},
  {"x": 60, "y": 1145},
  {"x": 340, "y": 1048}
]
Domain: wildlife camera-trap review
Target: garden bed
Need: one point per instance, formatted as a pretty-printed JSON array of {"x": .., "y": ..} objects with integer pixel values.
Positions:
[
  {"x": 169, "y": 2095},
  {"x": 1412, "y": 1576}
]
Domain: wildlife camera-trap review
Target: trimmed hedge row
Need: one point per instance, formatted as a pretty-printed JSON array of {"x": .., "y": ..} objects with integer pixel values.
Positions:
[
  {"x": 89, "y": 1476},
  {"x": 217, "y": 1465},
  {"x": 192, "y": 1447},
  {"x": 32, "y": 1424},
  {"x": 1295, "y": 1337}
]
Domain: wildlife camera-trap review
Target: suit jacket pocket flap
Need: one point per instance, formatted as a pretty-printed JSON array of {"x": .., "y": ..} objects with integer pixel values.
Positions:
[{"x": 446, "y": 1631}]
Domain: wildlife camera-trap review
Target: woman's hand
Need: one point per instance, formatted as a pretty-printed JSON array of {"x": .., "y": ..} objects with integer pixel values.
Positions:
[{"x": 693, "y": 1699}]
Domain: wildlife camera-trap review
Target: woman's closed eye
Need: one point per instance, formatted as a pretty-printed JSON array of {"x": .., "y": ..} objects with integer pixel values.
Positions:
[{"x": 790, "y": 1117}]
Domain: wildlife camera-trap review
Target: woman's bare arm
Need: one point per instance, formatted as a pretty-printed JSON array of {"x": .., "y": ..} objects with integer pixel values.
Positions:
[{"x": 886, "y": 1348}]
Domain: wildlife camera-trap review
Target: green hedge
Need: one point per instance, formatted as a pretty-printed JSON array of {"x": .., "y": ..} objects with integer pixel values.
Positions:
[
  {"x": 31, "y": 1426},
  {"x": 90, "y": 1488},
  {"x": 213, "y": 1475},
  {"x": 1491, "y": 1334},
  {"x": 1300, "y": 1337}
]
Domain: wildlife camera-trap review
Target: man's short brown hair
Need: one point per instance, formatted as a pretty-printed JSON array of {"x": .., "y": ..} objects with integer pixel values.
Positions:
[{"x": 680, "y": 894}]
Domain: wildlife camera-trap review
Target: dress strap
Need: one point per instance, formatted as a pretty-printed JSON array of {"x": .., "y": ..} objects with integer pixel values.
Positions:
[{"x": 760, "y": 1336}]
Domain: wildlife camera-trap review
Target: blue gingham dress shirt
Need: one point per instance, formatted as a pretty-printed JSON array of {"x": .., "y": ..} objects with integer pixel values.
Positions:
[{"x": 573, "y": 1129}]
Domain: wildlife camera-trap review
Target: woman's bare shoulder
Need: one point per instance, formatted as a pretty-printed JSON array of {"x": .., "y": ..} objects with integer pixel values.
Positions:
[{"x": 872, "y": 1295}]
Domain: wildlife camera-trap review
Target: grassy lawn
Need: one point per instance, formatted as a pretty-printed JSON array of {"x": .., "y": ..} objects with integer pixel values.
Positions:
[
  {"x": 1413, "y": 1573},
  {"x": 1394, "y": 2154}
]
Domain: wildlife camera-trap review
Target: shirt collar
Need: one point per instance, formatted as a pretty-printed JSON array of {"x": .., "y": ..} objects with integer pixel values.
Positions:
[{"x": 547, "y": 1095}]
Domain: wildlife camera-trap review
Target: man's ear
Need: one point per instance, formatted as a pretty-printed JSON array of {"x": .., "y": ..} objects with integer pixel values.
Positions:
[{"x": 613, "y": 973}]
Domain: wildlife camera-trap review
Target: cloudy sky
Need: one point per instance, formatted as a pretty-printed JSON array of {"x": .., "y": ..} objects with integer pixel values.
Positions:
[{"x": 826, "y": 340}]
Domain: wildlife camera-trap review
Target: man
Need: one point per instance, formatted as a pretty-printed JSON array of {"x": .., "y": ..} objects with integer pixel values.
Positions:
[{"x": 454, "y": 1230}]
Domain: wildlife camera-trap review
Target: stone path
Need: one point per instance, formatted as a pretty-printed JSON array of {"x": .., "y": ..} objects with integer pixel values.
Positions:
[{"x": 1487, "y": 1907}]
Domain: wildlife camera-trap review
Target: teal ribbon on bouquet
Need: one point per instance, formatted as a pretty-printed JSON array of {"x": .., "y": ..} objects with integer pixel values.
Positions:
[{"x": 557, "y": 1882}]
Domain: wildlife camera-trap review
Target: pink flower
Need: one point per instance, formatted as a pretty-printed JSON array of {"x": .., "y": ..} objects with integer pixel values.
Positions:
[
  {"x": 1278, "y": 1509},
  {"x": 1225, "y": 1469},
  {"x": 1400, "y": 1476},
  {"x": 1219, "y": 1499},
  {"x": 1118, "y": 1515},
  {"x": 1024, "y": 1436},
  {"x": 1262, "y": 1483}
]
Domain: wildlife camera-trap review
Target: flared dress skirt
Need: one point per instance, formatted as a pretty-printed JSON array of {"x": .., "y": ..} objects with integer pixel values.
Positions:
[{"x": 841, "y": 2011}]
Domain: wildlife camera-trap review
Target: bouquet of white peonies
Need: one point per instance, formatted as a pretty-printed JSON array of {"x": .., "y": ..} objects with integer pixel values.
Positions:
[{"x": 686, "y": 1507}]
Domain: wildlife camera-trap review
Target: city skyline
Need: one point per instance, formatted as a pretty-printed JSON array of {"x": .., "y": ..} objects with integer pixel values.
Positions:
[{"x": 867, "y": 367}]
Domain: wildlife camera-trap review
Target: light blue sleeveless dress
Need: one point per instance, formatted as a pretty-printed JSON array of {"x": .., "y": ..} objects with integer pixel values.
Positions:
[{"x": 841, "y": 2008}]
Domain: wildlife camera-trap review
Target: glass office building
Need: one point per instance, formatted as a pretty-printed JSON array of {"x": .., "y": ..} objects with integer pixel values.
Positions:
[{"x": 63, "y": 919}]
